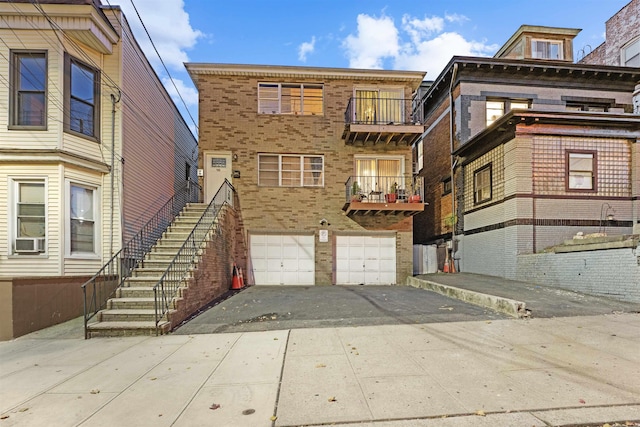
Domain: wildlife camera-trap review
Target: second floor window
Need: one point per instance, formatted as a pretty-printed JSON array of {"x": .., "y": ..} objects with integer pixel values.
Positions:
[
  {"x": 82, "y": 98},
  {"x": 498, "y": 108},
  {"x": 290, "y": 98},
  {"x": 290, "y": 170},
  {"x": 546, "y": 49},
  {"x": 29, "y": 89}
]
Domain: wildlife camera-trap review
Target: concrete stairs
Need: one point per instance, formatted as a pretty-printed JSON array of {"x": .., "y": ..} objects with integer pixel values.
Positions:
[{"x": 132, "y": 311}]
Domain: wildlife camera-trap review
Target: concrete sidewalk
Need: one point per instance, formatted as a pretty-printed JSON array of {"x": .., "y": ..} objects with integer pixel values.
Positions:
[
  {"x": 536, "y": 372},
  {"x": 519, "y": 299}
]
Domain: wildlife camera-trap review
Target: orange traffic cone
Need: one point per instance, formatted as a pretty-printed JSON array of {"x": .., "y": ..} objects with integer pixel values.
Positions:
[
  {"x": 235, "y": 282},
  {"x": 241, "y": 277}
]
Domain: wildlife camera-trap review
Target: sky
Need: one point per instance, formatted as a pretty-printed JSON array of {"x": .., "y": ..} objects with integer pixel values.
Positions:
[{"x": 419, "y": 35}]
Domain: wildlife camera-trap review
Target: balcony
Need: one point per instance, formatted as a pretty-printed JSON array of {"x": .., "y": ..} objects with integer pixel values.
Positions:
[
  {"x": 381, "y": 121},
  {"x": 397, "y": 195}
]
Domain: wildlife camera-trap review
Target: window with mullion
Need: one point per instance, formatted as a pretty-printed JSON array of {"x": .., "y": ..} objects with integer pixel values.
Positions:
[
  {"x": 82, "y": 219},
  {"x": 581, "y": 171},
  {"x": 290, "y": 98},
  {"x": 29, "y": 88},
  {"x": 482, "y": 185},
  {"x": 290, "y": 170},
  {"x": 82, "y": 98}
]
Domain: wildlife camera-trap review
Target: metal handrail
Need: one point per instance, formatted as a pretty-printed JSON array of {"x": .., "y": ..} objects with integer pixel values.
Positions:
[
  {"x": 102, "y": 286},
  {"x": 167, "y": 287},
  {"x": 380, "y": 111}
]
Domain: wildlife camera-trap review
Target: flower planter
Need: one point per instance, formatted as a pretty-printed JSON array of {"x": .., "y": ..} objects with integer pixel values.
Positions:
[
  {"x": 390, "y": 198},
  {"x": 414, "y": 199}
]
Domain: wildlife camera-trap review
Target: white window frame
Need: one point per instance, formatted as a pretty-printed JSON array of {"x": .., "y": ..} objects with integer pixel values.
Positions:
[
  {"x": 420, "y": 155},
  {"x": 559, "y": 43},
  {"x": 302, "y": 158},
  {"x": 633, "y": 45},
  {"x": 507, "y": 105},
  {"x": 12, "y": 212},
  {"x": 97, "y": 245},
  {"x": 262, "y": 109},
  {"x": 582, "y": 179}
]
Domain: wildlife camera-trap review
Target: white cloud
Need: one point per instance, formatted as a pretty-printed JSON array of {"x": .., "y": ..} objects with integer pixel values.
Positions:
[
  {"x": 377, "y": 38},
  {"x": 419, "y": 44},
  {"x": 189, "y": 93},
  {"x": 454, "y": 17},
  {"x": 306, "y": 48},
  {"x": 169, "y": 27}
]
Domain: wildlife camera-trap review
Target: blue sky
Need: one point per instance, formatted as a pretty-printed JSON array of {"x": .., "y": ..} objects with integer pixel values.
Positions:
[{"x": 392, "y": 34}]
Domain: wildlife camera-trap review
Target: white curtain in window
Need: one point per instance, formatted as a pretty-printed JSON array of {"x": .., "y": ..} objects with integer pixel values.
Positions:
[
  {"x": 366, "y": 106},
  {"x": 82, "y": 219},
  {"x": 391, "y": 106}
]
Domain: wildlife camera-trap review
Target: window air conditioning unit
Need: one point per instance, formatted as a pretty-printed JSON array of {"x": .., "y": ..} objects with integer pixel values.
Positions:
[{"x": 30, "y": 245}]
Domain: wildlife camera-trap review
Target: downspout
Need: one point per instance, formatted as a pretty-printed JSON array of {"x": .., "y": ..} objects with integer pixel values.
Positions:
[
  {"x": 454, "y": 73},
  {"x": 114, "y": 101}
]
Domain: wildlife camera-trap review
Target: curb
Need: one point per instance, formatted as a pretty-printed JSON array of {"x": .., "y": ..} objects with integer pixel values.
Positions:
[{"x": 503, "y": 305}]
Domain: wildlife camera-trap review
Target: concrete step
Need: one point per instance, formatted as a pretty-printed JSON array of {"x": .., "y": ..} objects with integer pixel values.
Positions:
[
  {"x": 131, "y": 303},
  {"x": 160, "y": 265},
  {"x": 127, "y": 315},
  {"x": 142, "y": 282},
  {"x": 135, "y": 292},
  {"x": 121, "y": 329}
]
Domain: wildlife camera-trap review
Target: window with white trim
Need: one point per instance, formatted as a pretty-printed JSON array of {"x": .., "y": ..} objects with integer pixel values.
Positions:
[
  {"x": 482, "y": 184},
  {"x": 581, "y": 170},
  {"x": 82, "y": 98},
  {"x": 290, "y": 170},
  {"x": 546, "y": 49},
  {"x": 497, "y": 108},
  {"x": 29, "y": 216},
  {"x": 83, "y": 215},
  {"x": 631, "y": 54},
  {"x": 420, "y": 155},
  {"x": 29, "y": 88},
  {"x": 290, "y": 98}
]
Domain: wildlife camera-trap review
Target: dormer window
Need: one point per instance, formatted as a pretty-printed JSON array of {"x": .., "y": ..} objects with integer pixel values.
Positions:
[{"x": 546, "y": 49}]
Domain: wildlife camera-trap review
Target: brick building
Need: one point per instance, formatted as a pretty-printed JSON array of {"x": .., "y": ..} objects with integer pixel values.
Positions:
[
  {"x": 622, "y": 39},
  {"x": 321, "y": 161},
  {"x": 541, "y": 148}
]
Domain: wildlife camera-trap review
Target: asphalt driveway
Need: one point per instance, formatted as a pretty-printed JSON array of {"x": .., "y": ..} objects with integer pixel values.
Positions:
[{"x": 266, "y": 308}]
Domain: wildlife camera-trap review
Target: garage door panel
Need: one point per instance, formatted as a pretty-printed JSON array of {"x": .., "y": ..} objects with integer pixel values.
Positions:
[
  {"x": 283, "y": 259},
  {"x": 365, "y": 259}
]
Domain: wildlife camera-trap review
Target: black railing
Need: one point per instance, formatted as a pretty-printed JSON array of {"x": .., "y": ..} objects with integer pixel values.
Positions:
[
  {"x": 379, "y": 111},
  {"x": 384, "y": 189},
  {"x": 102, "y": 286},
  {"x": 167, "y": 287}
]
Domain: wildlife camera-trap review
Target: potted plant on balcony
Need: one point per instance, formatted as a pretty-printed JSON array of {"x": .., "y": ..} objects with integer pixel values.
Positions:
[
  {"x": 356, "y": 195},
  {"x": 390, "y": 197}
]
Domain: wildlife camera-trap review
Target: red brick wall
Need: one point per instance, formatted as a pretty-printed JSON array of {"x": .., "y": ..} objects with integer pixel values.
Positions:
[{"x": 214, "y": 273}]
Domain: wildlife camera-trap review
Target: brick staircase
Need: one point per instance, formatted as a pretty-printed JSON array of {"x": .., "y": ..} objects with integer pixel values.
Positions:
[{"x": 132, "y": 311}]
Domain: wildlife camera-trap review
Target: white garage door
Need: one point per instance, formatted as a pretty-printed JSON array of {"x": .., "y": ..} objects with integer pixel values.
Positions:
[
  {"x": 283, "y": 259},
  {"x": 369, "y": 260}
]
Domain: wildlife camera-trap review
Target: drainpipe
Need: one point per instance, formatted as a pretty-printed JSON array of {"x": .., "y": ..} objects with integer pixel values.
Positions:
[
  {"x": 454, "y": 248},
  {"x": 114, "y": 101}
]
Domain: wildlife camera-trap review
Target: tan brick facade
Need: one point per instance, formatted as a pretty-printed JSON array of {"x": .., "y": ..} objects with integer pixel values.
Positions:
[{"x": 229, "y": 121}]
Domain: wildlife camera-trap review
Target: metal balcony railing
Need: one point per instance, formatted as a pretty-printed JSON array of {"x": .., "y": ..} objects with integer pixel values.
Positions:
[
  {"x": 167, "y": 287},
  {"x": 383, "y": 189},
  {"x": 379, "y": 111},
  {"x": 102, "y": 286}
]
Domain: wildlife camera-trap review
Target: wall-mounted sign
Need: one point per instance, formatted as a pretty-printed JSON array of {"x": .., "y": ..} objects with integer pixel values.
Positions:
[{"x": 324, "y": 236}]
